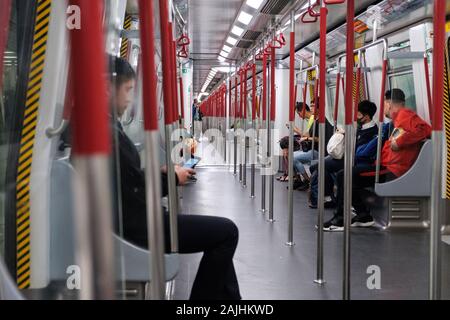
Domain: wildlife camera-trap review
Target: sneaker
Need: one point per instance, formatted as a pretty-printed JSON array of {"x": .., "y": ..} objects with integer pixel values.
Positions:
[
  {"x": 334, "y": 224},
  {"x": 363, "y": 221}
]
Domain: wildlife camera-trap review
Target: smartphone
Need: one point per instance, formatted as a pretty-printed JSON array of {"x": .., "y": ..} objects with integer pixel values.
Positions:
[{"x": 191, "y": 163}]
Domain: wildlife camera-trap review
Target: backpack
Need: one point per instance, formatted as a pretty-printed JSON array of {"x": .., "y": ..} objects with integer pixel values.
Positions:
[{"x": 335, "y": 147}]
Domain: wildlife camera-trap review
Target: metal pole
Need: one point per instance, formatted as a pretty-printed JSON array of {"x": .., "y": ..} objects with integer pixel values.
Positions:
[
  {"x": 94, "y": 251},
  {"x": 271, "y": 118},
  {"x": 348, "y": 148},
  {"x": 264, "y": 107},
  {"x": 321, "y": 198},
  {"x": 168, "y": 73},
  {"x": 155, "y": 222},
  {"x": 244, "y": 104},
  {"x": 240, "y": 124},
  {"x": 234, "y": 119},
  {"x": 252, "y": 191},
  {"x": 437, "y": 124},
  {"x": 292, "y": 98}
]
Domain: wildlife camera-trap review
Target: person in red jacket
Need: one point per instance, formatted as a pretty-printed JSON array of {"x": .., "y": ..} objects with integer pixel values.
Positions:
[
  {"x": 399, "y": 153},
  {"x": 401, "y": 150}
]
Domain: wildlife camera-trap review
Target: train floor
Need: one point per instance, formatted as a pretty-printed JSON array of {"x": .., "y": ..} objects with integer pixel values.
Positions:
[{"x": 267, "y": 269}]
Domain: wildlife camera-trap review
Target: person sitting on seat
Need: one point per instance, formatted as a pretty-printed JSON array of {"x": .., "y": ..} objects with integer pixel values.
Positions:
[
  {"x": 284, "y": 145},
  {"x": 367, "y": 129},
  {"x": 216, "y": 237},
  {"x": 399, "y": 153},
  {"x": 310, "y": 134}
]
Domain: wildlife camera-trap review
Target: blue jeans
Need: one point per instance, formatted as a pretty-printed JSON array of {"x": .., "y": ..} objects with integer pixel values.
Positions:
[{"x": 301, "y": 158}]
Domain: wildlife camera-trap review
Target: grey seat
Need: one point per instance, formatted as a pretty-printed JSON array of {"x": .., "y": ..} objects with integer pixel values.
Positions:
[
  {"x": 136, "y": 260},
  {"x": 416, "y": 182},
  {"x": 8, "y": 287}
]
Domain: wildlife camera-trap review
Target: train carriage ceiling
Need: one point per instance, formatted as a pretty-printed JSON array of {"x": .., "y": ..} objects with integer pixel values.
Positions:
[{"x": 209, "y": 23}]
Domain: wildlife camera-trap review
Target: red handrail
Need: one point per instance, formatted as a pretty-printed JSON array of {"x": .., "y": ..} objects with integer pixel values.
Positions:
[
  {"x": 323, "y": 62},
  {"x": 357, "y": 93},
  {"x": 166, "y": 60},
  {"x": 273, "y": 100},
  {"x": 428, "y": 85},
  {"x": 253, "y": 91},
  {"x": 149, "y": 76},
  {"x": 292, "y": 86},
  {"x": 181, "y": 98},
  {"x": 264, "y": 98},
  {"x": 438, "y": 63},
  {"x": 5, "y": 11},
  {"x": 336, "y": 99},
  {"x": 349, "y": 61},
  {"x": 90, "y": 115}
]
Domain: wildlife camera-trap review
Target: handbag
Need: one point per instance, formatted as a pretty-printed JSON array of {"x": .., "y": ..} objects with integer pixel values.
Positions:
[{"x": 335, "y": 147}]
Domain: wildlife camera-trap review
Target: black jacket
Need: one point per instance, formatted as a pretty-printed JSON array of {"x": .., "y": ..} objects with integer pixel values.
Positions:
[{"x": 132, "y": 183}]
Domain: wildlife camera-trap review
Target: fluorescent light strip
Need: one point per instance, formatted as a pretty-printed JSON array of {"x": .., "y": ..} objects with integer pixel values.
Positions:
[
  {"x": 226, "y": 48},
  {"x": 232, "y": 40},
  {"x": 245, "y": 18},
  {"x": 237, "y": 31},
  {"x": 255, "y": 4}
]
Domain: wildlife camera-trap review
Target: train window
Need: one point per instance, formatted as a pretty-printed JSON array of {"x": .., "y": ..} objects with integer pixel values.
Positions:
[
  {"x": 405, "y": 82},
  {"x": 395, "y": 64},
  {"x": 7, "y": 96}
]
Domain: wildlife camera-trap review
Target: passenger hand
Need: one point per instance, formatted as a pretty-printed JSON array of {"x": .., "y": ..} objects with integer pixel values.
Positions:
[
  {"x": 184, "y": 174},
  {"x": 394, "y": 145}
]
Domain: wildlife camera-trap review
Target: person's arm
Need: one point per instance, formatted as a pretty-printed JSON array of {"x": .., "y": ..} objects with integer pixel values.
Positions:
[{"x": 415, "y": 131}]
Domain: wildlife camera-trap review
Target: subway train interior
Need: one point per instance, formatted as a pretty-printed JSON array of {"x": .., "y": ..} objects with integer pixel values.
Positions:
[{"x": 222, "y": 150}]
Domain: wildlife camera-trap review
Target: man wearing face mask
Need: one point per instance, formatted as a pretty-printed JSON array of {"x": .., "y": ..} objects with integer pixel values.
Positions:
[
  {"x": 399, "y": 153},
  {"x": 367, "y": 129}
]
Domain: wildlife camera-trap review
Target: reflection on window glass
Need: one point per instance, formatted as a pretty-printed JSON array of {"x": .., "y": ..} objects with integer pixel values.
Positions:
[{"x": 405, "y": 82}]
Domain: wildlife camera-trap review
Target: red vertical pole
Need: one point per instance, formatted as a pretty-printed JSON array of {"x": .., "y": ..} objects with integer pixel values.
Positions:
[
  {"x": 236, "y": 111},
  {"x": 5, "y": 11},
  {"x": 264, "y": 98},
  {"x": 91, "y": 151},
  {"x": 272, "y": 85},
  {"x": 176, "y": 111},
  {"x": 323, "y": 62},
  {"x": 229, "y": 98},
  {"x": 438, "y": 63},
  {"x": 357, "y": 94},
  {"x": 253, "y": 91},
  {"x": 244, "y": 102},
  {"x": 349, "y": 61},
  {"x": 428, "y": 85},
  {"x": 336, "y": 99},
  {"x": 149, "y": 79},
  {"x": 181, "y": 98},
  {"x": 166, "y": 60},
  {"x": 305, "y": 89},
  {"x": 348, "y": 146},
  {"x": 90, "y": 117},
  {"x": 383, "y": 89},
  {"x": 292, "y": 86}
]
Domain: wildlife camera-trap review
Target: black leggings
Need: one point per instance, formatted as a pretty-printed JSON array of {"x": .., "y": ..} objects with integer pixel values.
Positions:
[{"x": 217, "y": 238}]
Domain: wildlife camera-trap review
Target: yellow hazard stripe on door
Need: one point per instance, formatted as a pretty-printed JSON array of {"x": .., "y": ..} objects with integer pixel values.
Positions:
[
  {"x": 447, "y": 118},
  {"x": 34, "y": 86},
  {"x": 125, "y": 42}
]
